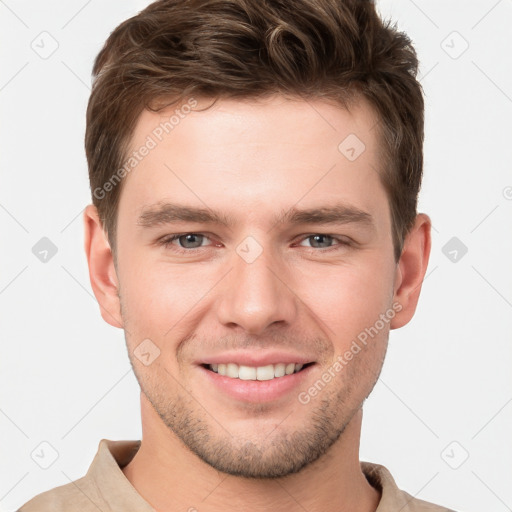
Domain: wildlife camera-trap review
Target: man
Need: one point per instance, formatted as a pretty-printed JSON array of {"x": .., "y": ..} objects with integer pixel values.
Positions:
[{"x": 283, "y": 141}]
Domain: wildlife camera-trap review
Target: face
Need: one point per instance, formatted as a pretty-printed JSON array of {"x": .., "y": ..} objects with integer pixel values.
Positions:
[{"x": 254, "y": 238}]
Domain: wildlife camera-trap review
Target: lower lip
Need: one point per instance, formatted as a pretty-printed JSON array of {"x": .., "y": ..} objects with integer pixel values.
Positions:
[{"x": 257, "y": 390}]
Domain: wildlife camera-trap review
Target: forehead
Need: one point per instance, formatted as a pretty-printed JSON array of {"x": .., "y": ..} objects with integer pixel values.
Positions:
[
  {"x": 244, "y": 120},
  {"x": 250, "y": 153}
]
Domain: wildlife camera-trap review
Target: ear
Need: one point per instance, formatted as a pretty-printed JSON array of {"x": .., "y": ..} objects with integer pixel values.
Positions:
[
  {"x": 411, "y": 270},
  {"x": 102, "y": 272}
]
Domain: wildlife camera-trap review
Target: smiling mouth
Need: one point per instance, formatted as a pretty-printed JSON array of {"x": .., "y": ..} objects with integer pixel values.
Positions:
[{"x": 267, "y": 372}]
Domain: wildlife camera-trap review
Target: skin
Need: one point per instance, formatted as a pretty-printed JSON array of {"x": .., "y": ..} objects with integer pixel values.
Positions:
[{"x": 200, "y": 447}]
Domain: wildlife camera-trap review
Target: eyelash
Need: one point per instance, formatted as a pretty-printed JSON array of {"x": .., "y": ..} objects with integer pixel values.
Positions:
[{"x": 166, "y": 242}]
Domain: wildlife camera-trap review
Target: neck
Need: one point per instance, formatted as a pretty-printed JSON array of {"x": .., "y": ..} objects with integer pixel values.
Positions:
[{"x": 170, "y": 477}]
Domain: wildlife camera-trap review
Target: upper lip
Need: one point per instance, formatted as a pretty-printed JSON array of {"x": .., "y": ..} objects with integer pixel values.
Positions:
[{"x": 258, "y": 358}]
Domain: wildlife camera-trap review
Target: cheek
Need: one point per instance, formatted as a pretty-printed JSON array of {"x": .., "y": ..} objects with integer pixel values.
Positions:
[
  {"x": 153, "y": 289},
  {"x": 161, "y": 301},
  {"x": 149, "y": 302},
  {"x": 347, "y": 299}
]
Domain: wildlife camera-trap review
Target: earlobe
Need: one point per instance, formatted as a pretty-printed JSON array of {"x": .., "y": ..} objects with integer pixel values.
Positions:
[
  {"x": 411, "y": 270},
  {"x": 102, "y": 272}
]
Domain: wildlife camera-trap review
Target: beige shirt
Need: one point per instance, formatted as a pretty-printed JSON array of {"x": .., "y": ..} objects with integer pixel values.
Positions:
[{"x": 105, "y": 488}]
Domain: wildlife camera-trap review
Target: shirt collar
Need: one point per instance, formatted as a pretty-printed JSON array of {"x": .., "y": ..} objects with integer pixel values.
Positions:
[{"x": 105, "y": 471}]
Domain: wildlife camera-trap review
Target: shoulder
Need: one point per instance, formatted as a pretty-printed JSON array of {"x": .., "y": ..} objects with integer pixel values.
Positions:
[
  {"x": 417, "y": 505},
  {"x": 392, "y": 497},
  {"x": 77, "y": 495}
]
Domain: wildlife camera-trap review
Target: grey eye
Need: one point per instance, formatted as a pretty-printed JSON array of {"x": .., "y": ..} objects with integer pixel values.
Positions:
[
  {"x": 191, "y": 240},
  {"x": 320, "y": 241}
]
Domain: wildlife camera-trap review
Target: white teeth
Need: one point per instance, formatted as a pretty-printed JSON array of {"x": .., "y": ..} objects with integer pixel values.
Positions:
[
  {"x": 247, "y": 373},
  {"x": 279, "y": 370},
  {"x": 232, "y": 370},
  {"x": 267, "y": 372}
]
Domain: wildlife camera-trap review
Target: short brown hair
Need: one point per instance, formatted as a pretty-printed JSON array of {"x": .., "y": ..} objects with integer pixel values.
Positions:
[{"x": 338, "y": 50}]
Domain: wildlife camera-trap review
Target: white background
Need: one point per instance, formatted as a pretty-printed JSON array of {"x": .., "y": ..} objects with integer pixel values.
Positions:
[{"x": 65, "y": 374}]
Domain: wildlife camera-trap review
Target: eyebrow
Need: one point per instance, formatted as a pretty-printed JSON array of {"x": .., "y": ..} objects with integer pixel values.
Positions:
[{"x": 167, "y": 213}]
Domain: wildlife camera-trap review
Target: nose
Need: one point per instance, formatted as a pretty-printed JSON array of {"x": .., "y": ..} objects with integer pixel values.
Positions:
[{"x": 254, "y": 295}]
